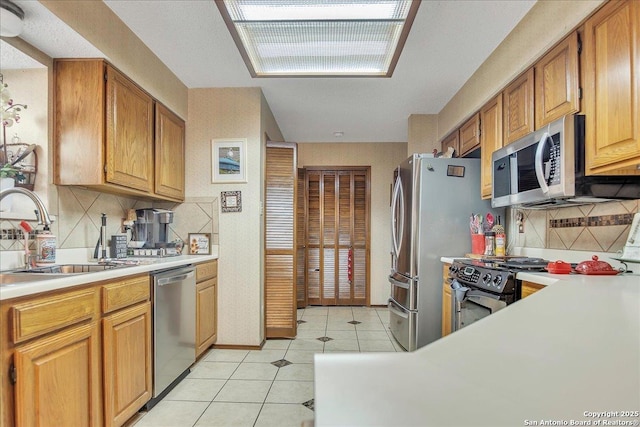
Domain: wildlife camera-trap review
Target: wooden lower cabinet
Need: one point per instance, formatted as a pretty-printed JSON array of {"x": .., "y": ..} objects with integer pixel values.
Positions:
[
  {"x": 446, "y": 301},
  {"x": 529, "y": 288},
  {"x": 58, "y": 379},
  {"x": 206, "y": 305},
  {"x": 77, "y": 357},
  {"x": 127, "y": 362},
  {"x": 206, "y": 314}
]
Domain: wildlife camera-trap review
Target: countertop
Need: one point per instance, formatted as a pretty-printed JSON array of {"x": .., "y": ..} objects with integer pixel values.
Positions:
[
  {"x": 563, "y": 353},
  {"x": 71, "y": 280}
]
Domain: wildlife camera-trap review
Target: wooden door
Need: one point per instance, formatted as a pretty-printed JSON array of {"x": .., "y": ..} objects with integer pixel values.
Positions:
[
  {"x": 301, "y": 239},
  {"x": 206, "y": 314},
  {"x": 612, "y": 88},
  {"x": 490, "y": 141},
  {"x": 280, "y": 239},
  {"x": 58, "y": 379},
  {"x": 452, "y": 140},
  {"x": 446, "y": 301},
  {"x": 169, "y": 146},
  {"x": 338, "y": 236},
  {"x": 127, "y": 363},
  {"x": 129, "y": 143},
  {"x": 557, "y": 83},
  {"x": 518, "y": 108}
]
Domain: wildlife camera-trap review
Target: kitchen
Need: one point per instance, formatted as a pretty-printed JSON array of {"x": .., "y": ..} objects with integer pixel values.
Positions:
[{"x": 425, "y": 132}]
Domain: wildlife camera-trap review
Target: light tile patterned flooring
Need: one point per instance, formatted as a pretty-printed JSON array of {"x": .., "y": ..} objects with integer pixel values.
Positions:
[{"x": 244, "y": 388}]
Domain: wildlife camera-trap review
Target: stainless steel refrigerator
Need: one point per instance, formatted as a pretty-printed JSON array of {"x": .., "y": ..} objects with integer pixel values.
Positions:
[{"x": 431, "y": 204}]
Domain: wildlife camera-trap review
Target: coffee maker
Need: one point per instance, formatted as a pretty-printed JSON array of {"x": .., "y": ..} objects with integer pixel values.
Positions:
[{"x": 152, "y": 227}]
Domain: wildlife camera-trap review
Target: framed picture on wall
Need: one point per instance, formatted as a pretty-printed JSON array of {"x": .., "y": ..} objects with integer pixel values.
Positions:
[
  {"x": 199, "y": 243},
  {"x": 229, "y": 160}
]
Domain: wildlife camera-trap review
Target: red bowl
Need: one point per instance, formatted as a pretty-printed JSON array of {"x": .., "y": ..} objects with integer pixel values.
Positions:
[{"x": 559, "y": 267}]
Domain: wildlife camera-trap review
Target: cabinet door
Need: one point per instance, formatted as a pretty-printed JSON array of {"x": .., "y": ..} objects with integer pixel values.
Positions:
[
  {"x": 58, "y": 379},
  {"x": 206, "y": 314},
  {"x": 453, "y": 141},
  {"x": 612, "y": 78},
  {"x": 446, "y": 301},
  {"x": 129, "y": 142},
  {"x": 490, "y": 141},
  {"x": 529, "y": 288},
  {"x": 127, "y": 363},
  {"x": 556, "y": 82},
  {"x": 169, "y": 143},
  {"x": 518, "y": 108},
  {"x": 470, "y": 135}
]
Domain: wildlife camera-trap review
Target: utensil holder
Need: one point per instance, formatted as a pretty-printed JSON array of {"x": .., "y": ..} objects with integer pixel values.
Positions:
[{"x": 477, "y": 244}]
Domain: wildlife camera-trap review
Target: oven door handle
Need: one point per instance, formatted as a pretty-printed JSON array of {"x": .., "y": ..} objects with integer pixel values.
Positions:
[{"x": 539, "y": 163}]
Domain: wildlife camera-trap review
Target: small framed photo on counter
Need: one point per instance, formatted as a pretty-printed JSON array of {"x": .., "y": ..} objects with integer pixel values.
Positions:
[{"x": 199, "y": 243}]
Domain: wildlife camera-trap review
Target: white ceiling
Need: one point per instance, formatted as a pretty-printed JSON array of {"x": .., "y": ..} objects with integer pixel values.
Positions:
[{"x": 447, "y": 43}]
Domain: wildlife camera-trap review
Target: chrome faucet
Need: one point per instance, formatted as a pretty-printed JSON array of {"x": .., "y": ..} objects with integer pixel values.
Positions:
[{"x": 43, "y": 214}]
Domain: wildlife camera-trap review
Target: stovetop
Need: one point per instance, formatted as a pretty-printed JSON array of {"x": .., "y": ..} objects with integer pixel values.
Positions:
[{"x": 509, "y": 264}]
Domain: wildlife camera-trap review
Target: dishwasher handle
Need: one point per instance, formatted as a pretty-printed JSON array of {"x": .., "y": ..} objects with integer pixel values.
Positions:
[{"x": 173, "y": 279}]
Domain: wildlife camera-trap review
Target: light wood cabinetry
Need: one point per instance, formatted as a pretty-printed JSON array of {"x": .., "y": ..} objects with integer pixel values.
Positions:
[
  {"x": 612, "y": 89},
  {"x": 490, "y": 141},
  {"x": 52, "y": 355},
  {"x": 470, "y": 135},
  {"x": 446, "y": 301},
  {"x": 105, "y": 137},
  {"x": 518, "y": 108},
  {"x": 529, "y": 288},
  {"x": 76, "y": 358},
  {"x": 452, "y": 140},
  {"x": 169, "y": 156},
  {"x": 557, "y": 82},
  {"x": 206, "y": 305},
  {"x": 126, "y": 348}
]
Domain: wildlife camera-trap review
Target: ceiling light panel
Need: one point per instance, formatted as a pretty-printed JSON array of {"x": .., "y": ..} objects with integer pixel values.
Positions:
[{"x": 321, "y": 37}]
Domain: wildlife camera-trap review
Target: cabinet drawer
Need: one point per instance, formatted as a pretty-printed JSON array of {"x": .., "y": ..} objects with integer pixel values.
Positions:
[
  {"x": 44, "y": 315},
  {"x": 206, "y": 270},
  {"x": 125, "y": 293}
]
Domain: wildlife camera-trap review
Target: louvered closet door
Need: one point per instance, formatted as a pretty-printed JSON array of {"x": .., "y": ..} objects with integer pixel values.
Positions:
[
  {"x": 280, "y": 242},
  {"x": 301, "y": 238},
  {"x": 338, "y": 237}
]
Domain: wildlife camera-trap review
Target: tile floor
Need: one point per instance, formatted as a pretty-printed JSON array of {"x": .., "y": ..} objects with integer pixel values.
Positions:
[{"x": 272, "y": 386}]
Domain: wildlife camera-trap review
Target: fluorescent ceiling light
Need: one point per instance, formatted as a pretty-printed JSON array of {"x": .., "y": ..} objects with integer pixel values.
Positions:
[{"x": 313, "y": 38}]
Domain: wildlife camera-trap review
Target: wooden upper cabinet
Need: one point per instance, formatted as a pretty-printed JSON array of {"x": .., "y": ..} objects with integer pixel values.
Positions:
[
  {"x": 490, "y": 141},
  {"x": 105, "y": 134},
  {"x": 452, "y": 140},
  {"x": 470, "y": 135},
  {"x": 518, "y": 108},
  {"x": 129, "y": 143},
  {"x": 169, "y": 143},
  {"x": 612, "y": 78},
  {"x": 557, "y": 82}
]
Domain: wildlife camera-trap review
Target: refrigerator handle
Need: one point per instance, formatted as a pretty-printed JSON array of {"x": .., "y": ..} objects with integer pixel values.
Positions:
[{"x": 397, "y": 224}]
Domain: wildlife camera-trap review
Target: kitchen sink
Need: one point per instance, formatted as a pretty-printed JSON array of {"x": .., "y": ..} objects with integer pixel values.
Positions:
[{"x": 52, "y": 272}]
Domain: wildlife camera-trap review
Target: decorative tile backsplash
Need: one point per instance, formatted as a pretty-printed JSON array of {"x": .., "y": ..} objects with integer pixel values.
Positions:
[
  {"x": 601, "y": 227},
  {"x": 79, "y": 218}
]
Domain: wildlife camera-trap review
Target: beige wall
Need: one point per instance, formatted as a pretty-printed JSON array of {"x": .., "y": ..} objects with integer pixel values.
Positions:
[
  {"x": 94, "y": 21},
  {"x": 546, "y": 23},
  {"x": 423, "y": 134},
  {"x": 383, "y": 158},
  {"x": 232, "y": 113}
]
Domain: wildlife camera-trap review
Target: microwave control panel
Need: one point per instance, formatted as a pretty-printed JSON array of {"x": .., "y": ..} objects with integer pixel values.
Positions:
[{"x": 555, "y": 160}]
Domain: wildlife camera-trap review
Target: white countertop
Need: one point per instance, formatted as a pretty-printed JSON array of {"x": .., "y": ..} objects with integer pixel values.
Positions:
[
  {"x": 569, "y": 349},
  {"x": 68, "y": 281}
]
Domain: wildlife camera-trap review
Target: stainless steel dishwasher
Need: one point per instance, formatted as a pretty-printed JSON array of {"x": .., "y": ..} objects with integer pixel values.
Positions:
[{"x": 174, "y": 328}]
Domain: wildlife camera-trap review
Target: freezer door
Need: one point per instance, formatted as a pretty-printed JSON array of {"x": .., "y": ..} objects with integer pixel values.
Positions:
[
  {"x": 402, "y": 323},
  {"x": 404, "y": 291},
  {"x": 402, "y": 217}
]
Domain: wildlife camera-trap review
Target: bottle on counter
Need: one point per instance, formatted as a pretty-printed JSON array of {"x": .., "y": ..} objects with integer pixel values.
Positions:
[
  {"x": 46, "y": 247},
  {"x": 501, "y": 239},
  {"x": 489, "y": 242}
]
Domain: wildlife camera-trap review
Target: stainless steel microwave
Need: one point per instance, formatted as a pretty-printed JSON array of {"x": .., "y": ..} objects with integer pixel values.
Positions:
[{"x": 547, "y": 168}]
